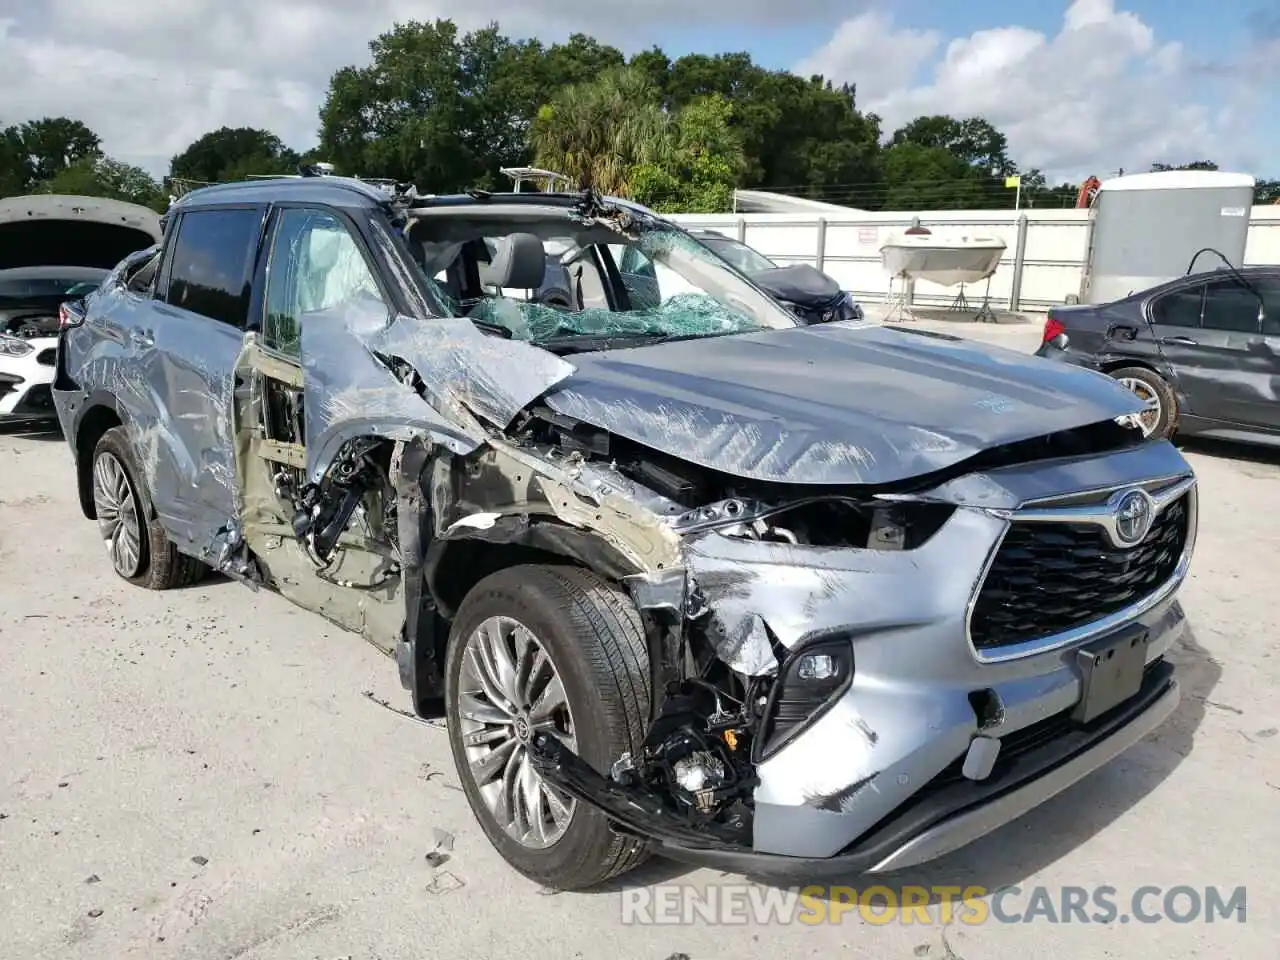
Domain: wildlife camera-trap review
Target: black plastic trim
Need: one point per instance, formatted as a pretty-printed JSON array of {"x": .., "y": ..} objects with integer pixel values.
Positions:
[
  {"x": 765, "y": 746},
  {"x": 639, "y": 812}
]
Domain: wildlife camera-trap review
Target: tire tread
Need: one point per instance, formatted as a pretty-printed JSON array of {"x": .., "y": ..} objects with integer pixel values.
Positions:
[
  {"x": 609, "y": 644},
  {"x": 167, "y": 568}
]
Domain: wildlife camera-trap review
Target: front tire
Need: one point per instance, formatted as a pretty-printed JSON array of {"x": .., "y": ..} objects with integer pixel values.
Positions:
[
  {"x": 1160, "y": 419},
  {"x": 136, "y": 544},
  {"x": 556, "y": 649}
]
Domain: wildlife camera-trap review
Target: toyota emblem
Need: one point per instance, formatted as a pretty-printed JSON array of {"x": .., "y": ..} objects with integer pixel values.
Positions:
[{"x": 1133, "y": 517}]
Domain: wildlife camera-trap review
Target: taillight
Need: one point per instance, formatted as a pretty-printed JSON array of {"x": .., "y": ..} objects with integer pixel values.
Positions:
[
  {"x": 1053, "y": 328},
  {"x": 70, "y": 314}
]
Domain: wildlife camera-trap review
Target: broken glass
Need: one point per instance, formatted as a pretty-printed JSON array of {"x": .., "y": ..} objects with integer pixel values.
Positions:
[{"x": 685, "y": 314}]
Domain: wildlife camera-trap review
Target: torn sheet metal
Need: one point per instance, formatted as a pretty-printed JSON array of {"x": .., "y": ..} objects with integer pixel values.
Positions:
[
  {"x": 492, "y": 377},
  {"x": 799, "y": 591},
  {"x": 177, "y": 407},
  {"x": 838, "y": 403},
  {"x": 350, "y": 390},
  {"x": 524, "y": 484}
]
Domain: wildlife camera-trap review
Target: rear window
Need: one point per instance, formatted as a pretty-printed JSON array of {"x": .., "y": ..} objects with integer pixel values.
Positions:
[
  {"x": 212, "y": 265},
  {"x": 1181, "y": 308}
]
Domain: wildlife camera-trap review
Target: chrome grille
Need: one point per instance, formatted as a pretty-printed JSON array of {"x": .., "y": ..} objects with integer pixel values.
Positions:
[{"x": 1050, "y": 578}]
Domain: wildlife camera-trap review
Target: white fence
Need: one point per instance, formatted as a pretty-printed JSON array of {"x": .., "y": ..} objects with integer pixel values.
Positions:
[{"x": 1042, "y": 266}]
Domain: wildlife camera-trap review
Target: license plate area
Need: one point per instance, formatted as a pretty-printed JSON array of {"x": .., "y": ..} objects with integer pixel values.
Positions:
[{"x": 1111, "y": 671}]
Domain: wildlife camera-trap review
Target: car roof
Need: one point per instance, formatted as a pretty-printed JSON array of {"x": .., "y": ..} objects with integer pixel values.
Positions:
[
  {"x": 330, "y": 191},
  {"x": 1252, "y": 270}
]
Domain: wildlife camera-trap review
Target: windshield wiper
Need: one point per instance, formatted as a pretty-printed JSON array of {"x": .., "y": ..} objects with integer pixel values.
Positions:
[
  {"x": 591, "y": 342},
  {"x": 497, "y": 329}
]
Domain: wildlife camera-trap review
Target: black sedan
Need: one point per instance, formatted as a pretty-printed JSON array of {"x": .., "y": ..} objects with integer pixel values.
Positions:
[
  {"x": 1203, "y": 351},
  {"x": 810, "y": 294}
]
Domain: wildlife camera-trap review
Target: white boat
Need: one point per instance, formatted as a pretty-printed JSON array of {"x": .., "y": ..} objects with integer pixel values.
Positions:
[{"x": 947, "y": 259}]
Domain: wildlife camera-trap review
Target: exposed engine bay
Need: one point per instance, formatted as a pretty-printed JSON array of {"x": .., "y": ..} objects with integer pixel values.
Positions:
[{"x": 546, "y": 485}]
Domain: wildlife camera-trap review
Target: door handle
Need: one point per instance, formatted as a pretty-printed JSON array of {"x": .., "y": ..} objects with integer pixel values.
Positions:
[
  {"x": 142, "y": 338},
  {"x": 1185, "y": 341}
]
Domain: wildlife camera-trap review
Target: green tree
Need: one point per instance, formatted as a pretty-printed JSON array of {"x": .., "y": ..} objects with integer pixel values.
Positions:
[
  {"x": 15, "y": 169},
  {"x": 1266, "y": 192},
  {"x": 800, "y": 135},
  {"x": 445, "y": 110},
  {"x": 601, "y": 132},
  {"x": 1194, "y": 165},
  {"x": 233, "y": 153},
  {"x": 577, "y": 60},
  {"x": 700, "y": 170},
  {"x": 105, "y": 177},
  {"x": 52, "y": 144},
  {"x": 973, "y": 140},
  {"x": 1036, "y": 192},
  {"x": 918, "y": 177}
]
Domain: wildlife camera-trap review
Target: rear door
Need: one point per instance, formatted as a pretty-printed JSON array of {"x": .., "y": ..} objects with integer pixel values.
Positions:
[
  {"x": 186, "y": 348},
  {"x": 1217, "y": 361},
  {"x": 1267, "y": 403}
]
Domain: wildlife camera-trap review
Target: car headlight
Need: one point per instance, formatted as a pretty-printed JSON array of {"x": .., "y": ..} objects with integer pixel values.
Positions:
[
  {"x": 810, "y": 681},
  {"x": 845, "y": 308},
  {"x": 13, "y": 347}
]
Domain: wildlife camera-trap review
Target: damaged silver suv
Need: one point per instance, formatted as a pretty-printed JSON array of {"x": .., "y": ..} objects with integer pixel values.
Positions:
[{"x": 685, "y": 576}]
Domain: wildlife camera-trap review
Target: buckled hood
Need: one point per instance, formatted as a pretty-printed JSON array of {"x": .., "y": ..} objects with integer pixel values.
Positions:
[
  {"x": 800, "y": 284},
  {"x": 840, "y": 403}
]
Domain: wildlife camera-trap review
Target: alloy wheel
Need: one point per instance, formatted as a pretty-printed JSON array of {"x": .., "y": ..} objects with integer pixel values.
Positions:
[
  {"x": 118, "y": 517},
  {"x": 509, "y": 690},
  {"x": 1152, "y": 410}
]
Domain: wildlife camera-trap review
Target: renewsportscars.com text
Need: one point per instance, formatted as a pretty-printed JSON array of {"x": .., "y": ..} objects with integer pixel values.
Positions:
[{"x": 750, "y": 904}]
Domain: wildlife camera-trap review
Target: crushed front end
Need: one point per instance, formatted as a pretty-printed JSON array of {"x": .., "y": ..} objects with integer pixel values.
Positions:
[{"x": 863, "y": 682}]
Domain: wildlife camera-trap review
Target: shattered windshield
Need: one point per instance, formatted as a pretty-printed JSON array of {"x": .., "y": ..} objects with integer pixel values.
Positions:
[{"x": 550, "y": 278}]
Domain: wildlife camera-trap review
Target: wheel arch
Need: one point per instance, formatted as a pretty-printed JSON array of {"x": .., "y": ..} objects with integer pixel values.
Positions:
[
  {"x": 1111, "y": 364},
  {"x": 98, "y": 415},
  {"x": 452, "y": 567}
]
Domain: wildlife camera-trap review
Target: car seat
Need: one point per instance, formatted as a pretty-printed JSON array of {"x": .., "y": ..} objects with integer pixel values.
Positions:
[{"x": 517, "y": 261}]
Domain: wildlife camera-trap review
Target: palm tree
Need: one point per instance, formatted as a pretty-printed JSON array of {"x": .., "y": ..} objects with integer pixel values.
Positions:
[{"x": 601, "y": 131}]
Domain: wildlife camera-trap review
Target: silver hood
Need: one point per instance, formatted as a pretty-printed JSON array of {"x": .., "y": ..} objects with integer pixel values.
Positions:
[{"x": 840, "y": 403}]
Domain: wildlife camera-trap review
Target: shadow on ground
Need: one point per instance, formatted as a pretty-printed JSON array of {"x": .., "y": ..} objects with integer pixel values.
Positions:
[{"x": 31, "y": 429}]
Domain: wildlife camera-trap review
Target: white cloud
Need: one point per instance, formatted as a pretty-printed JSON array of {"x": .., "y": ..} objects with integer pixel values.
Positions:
[
  {"x": 1101, "y": 94},
  {"x": 149, "y": 76},
  {"x": 867, "y": 49},
  {"x": 152, "y": 75}
]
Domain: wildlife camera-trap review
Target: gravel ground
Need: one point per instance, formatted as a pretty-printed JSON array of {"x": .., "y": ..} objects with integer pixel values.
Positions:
[{"x": 211, "y": 773}]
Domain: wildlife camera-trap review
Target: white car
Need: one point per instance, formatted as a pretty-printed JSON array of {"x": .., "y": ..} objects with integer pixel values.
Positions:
[{"x": 52, "y": 249}]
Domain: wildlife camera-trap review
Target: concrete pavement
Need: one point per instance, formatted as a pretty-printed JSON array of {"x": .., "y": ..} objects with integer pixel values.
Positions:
[{"x": 212, "y": 773}]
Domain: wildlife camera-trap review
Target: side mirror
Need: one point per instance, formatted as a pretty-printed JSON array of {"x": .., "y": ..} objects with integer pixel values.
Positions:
[{"x": 71, "y": 313}]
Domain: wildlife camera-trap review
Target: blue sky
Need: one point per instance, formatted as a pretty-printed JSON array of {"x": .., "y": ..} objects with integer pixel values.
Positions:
[
  {"x": 1216, "y": 27},
  {"x": 1218, "y": 35},
  {"x": 1112, "y": 90}
]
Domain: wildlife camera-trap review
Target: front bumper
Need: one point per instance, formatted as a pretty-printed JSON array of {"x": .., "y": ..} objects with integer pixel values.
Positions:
[
  {"x": 25, "y": 381},
  {"x": 865, "y": 775},
  {"x": 937, "y": 821}
]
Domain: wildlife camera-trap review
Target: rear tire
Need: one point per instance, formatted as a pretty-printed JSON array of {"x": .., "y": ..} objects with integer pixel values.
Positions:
[
  {"x": 139, "y": 550},
  {"x": 591, "y": 633},
  {"x": 1162, "y": 420}
]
